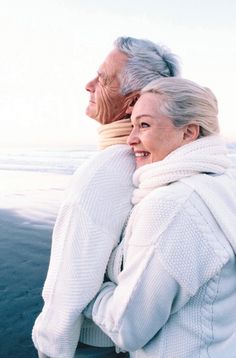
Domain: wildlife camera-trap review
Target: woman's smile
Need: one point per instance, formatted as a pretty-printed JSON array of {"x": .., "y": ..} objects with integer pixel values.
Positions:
[{"x": 140, "y": 155}]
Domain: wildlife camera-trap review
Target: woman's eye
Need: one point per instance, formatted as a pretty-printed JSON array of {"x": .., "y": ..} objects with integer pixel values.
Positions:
[{"x": 144, "y": 125}]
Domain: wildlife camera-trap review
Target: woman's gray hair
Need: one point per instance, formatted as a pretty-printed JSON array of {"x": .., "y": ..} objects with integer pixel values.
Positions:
[
  {"x": 186, "y": 102},
  {"x": 147, "y": 61}
]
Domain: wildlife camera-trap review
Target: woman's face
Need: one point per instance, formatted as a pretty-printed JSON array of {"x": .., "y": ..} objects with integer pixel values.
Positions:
[{"x": 153, "y": 135}]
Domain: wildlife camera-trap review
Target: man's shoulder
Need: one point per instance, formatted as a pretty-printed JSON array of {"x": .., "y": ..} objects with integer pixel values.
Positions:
[
  {"x": 116, "y": 151},
  {"x": 111, "y": 168},
  {"x": 116, "y": 157}
]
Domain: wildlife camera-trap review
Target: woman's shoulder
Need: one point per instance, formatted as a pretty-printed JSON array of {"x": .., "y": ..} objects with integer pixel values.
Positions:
[
  {"x": 161, "y": 205},
  {"x": 176, "y": 193},
  {"x": 156, "y": 211}
]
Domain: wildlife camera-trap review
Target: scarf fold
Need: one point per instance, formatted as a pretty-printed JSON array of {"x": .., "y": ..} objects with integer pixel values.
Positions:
[
  {"x": 204, "y": 155},
  {"x": 192, "y": 164},
  {"x": 114, "y": 133}
]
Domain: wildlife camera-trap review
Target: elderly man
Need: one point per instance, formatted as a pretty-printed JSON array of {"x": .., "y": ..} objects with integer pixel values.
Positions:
[{"x": 97, "y": 205}]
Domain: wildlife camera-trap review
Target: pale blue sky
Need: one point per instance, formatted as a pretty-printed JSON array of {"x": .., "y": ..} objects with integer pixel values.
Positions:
[{"x": 51, "y": 48}]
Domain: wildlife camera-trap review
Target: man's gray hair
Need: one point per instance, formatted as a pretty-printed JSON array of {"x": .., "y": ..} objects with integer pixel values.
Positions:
[
  {"x": 147, "y": 61},
  {"x": 186, "y": 102}
]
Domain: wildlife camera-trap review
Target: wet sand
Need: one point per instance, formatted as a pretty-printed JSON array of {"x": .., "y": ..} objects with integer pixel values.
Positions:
[
  {"x": 28, "y": 205},
  {"x": 25, "y": 249}
]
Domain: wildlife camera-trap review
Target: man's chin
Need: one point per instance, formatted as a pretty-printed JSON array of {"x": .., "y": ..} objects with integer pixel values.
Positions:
[
  {"x": 102, "y": 119},
  {"x": 90, "y": 113}
]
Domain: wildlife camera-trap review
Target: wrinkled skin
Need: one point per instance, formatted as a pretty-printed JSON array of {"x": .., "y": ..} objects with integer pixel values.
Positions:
[{"x": 106, "y": 103}]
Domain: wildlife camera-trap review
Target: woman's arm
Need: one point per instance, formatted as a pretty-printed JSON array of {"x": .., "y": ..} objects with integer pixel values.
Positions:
[
  {"x": 132, "y": 312},
  {"x": 166, "y": 262}
]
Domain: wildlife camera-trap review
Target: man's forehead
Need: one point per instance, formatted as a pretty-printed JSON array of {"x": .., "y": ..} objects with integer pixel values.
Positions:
[
  {"x": 113, "y": 65},
  {"x": 120, "y": 58}
]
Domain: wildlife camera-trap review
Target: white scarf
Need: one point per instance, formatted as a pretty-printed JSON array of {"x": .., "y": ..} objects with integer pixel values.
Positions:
[
  {"x": 204, "y": 155},
  {"x": 190, "y": 164},
  {"x": 114, "y": 133}
]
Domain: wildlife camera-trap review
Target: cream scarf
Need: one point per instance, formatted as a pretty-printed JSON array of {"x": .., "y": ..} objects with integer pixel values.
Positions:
[
  {"x": 114, "y": 133},
  {"x": 204, "y": 155}
]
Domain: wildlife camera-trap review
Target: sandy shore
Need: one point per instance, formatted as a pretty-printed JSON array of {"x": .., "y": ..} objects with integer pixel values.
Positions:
[
  {"x": 25, "y": 247},
  {"x": 29, "y": 202}
]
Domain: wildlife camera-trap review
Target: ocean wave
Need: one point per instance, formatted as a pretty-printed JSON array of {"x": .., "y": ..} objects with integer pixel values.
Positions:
[{"x": 45, "y": 160}]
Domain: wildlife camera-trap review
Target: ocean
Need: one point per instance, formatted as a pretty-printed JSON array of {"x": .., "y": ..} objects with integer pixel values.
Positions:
[{"x": 32, "y": 185}]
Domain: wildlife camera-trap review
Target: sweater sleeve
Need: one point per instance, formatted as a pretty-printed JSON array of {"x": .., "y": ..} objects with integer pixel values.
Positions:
[
  {"x": 76, "y": 270},
  {"x": 167, "y": 261},
  {"x": 132, "y": 312}
]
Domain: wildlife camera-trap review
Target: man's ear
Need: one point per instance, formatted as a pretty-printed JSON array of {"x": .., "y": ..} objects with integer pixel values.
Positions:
[
  {"x": 131, "y": 100},
  {"x": 191, "y": 132}
]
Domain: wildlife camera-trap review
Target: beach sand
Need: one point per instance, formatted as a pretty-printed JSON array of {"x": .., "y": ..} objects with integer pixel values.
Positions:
[
  {"x": 28, "y": 206},
  {"x": 25, "y": 249}
]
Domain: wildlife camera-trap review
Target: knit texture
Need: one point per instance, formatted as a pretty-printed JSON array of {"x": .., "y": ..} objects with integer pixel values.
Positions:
[
  {"x": 205, "y": 155},
  {"x": 88, "y": 228},
  {"x": 114, "y": 133},
  {"x": 176, "y": 295}
]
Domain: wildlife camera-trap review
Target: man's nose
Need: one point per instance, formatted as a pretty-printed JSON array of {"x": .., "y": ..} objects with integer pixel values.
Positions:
[{"x": 90, "y": 86}]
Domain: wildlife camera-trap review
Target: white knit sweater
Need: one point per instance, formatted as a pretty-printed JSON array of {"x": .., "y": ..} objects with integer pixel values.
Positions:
[
  {"x": 88, "y": 227},
  {"x": 176, "y": 296}
]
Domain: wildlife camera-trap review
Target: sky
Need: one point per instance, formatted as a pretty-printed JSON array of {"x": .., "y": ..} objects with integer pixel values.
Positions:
[{"x": 50, "y": 49}]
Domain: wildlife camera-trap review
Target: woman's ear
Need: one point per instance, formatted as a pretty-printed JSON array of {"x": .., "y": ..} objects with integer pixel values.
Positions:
[
  {"x": 191, "y": 132},
  {"x": 132, "y": 99}
]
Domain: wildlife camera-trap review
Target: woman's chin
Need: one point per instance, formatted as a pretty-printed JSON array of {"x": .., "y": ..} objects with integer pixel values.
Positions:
[{"x": 140, "y": 162}]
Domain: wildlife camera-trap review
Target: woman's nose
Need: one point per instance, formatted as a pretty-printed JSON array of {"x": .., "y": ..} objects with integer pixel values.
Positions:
[
  {"x": 90, "y": 86},
  {"x": 133, "y": 138}
]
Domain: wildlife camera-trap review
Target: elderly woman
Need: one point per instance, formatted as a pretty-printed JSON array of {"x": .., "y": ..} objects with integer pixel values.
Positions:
[{"x": 174, "y": 294}]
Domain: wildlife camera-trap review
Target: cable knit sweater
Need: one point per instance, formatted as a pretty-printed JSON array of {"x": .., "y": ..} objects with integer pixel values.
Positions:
[
  {"x": 88, "y": 227},
  {"x": 176, "y": 295}
]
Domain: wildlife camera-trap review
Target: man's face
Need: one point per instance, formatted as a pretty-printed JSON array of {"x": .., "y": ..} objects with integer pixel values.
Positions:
[{"x": 106, "y": 103}]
